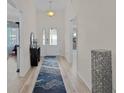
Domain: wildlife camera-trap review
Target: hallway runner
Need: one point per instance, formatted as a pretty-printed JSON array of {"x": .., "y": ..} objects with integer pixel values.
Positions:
[{"x": 49, "y": 79}]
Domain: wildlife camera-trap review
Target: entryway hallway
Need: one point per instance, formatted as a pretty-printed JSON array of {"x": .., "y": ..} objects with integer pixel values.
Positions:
[{"x": 80, "y": 33}]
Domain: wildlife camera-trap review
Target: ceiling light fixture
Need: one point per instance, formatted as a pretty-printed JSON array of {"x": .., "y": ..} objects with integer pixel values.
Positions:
[{"x": 50, "y": 12}]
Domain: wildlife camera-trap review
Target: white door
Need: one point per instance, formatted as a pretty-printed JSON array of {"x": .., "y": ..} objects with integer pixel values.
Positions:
[{"x": 50, "y": 44}]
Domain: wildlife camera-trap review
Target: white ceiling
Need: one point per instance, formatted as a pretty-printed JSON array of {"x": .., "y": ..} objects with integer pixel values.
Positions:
[
  {"x": 43, "y": 5},
  {"x": 12, "y": 2},
  {"x": 57, "y": 5}
]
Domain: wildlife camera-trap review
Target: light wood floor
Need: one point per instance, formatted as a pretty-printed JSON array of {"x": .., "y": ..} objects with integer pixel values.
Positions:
[
  {"x": 14, "y": 81},
  {"x": 16, "y": 84},
  {"x": 30, "y": 81},
  {"x": 73, "y": 83},
  {"x": 12, "y": 76}
]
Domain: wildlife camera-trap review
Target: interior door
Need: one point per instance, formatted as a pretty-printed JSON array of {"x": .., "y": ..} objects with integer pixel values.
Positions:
[{"x": 50, "y": 44}]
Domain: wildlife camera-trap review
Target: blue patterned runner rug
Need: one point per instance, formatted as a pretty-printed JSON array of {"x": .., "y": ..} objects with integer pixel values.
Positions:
[{"x": 49, "y": 79}]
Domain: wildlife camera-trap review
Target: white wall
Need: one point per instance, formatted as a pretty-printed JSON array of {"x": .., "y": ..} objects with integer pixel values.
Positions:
[
  {"x": 56, "y": 21},
  {"x": 96, "y": 30},
  {"x": 69, "y": 15},
  {"x": 13, "y": 14},
  {"x": 28, "y": 25}
]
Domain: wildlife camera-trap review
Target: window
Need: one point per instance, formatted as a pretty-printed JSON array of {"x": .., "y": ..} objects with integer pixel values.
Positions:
[
  {"x": 43, "y": 36},
  {"x": 53, "y": 36},
  {"x": 12, "y": 38}
]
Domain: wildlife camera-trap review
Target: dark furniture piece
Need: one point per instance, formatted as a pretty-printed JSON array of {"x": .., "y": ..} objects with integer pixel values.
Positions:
[
  {"x": 38, "y": 55},
  {"x": 34, "y": 56},
  {"x": 34, "y": 50},
  {"x": 15, "y": 49}
]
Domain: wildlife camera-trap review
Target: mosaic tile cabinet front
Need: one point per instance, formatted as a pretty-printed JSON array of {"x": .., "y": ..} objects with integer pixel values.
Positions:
[{"x": 101, "y": 71}]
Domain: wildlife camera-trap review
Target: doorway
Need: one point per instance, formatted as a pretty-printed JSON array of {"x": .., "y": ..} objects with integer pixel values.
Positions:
[
  {"x": 13, "y": 39},
  {"x": 50, "y": 42},
  {"x": 13, "y": 51}
]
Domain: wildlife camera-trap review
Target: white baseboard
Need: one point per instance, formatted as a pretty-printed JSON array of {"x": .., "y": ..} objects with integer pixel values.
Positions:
[
  {"x": 90, "y": 89},
  {"x": 84, "y": 82}
]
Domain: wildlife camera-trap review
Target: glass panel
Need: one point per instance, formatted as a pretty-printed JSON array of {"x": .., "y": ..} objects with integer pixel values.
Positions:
[
  {"x": 12, "y": 38},
  {"x": 43, "y": 36},
  {"x": 53, "y": 36}
]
